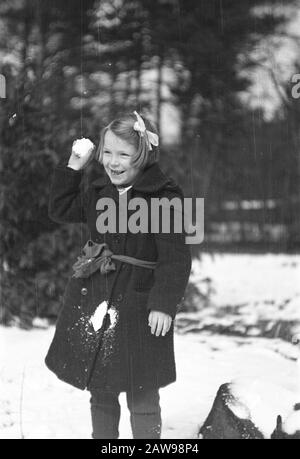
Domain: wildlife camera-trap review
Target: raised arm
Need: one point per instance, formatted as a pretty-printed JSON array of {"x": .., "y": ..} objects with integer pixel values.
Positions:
[{"x": 68, "y": 202}]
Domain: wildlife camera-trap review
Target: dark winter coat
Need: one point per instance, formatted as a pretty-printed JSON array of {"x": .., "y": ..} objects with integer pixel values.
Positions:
[{"x": 125, "y": 356}]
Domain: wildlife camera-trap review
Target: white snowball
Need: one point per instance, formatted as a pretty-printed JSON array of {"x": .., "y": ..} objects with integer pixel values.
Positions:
[{"x": 82, "y": 146}]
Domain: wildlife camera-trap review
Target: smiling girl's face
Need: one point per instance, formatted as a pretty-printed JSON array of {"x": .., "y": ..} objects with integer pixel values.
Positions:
[{"x": 117, "y": 155}]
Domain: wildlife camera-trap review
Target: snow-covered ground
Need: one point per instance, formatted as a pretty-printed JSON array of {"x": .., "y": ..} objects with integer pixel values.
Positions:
[
  {"x": 249, "y": 295},
  {"x": 35, "y": 404}
]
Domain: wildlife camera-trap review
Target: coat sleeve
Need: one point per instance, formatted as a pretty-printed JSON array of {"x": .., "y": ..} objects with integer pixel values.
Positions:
[
  {"x": 67, "y": 202},
  {"x": 172, "y": 272}
]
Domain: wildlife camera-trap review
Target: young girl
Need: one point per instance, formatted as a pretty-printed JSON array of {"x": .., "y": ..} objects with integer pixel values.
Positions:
[{"x": 115, "y": 330}]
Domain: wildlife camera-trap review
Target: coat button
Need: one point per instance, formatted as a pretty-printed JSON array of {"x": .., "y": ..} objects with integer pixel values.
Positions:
[
  {"x": 84, "y": 291},
  {"x": 117, "y": 239},
  {"x": 120, "y": 297}
]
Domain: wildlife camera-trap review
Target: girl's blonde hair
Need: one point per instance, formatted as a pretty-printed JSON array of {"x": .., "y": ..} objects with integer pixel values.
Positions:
[{"x": 123, "y": 128}]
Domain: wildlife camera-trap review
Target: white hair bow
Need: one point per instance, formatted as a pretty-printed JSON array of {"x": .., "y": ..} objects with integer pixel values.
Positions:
[{"x": 139, "y": 126}]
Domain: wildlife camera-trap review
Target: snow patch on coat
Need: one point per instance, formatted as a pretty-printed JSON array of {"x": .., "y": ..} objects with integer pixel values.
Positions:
[
  {"x": 109, "y": 342},
  {"x": 98, "y": 316}
]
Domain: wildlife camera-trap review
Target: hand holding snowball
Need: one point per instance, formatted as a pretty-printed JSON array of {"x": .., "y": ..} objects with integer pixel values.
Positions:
[{"x": 82, "y": 153}]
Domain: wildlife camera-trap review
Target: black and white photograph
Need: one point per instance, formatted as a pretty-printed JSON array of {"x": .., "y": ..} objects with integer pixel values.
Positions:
[{"x": 150, "y": 221}]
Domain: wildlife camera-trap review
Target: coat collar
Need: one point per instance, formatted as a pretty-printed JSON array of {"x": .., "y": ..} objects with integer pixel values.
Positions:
[{"x": 150, "y": 181}]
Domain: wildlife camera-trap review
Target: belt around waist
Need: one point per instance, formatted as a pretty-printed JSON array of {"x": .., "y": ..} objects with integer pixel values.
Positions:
[{"x": 99, "y": 256}]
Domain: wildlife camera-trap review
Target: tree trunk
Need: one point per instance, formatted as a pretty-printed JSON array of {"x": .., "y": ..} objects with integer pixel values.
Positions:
[
  {"x": 112, "y": 98},
  {"x": 139, "y": 74},
  {"x": 158, "y": 90}
]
